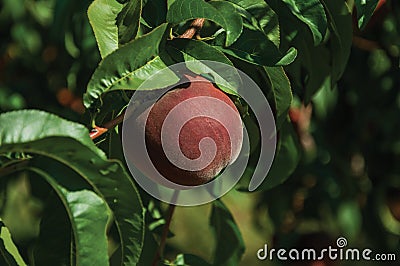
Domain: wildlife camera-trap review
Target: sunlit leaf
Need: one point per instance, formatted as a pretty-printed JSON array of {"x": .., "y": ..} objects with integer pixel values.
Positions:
[
  {"x": 102, "y": 16},
  {"x": 7, "y": 258},
  {"x": 129, "y": 66}
]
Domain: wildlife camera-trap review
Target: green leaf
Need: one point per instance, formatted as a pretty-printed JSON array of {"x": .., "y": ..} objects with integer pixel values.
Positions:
[
  {"x": 60, "y": 246},
  {"x": 88, "y": 214},
  {"x": 229, "y": 242},
  {"x": 128, "y": 20},
  {"x": 113, "y": 103},
  {"x": 150, "y": 247},
  {"x": 340, "y": 26},
  {"x": 184, "y": 10},
  {"x": 286, "y": 159},
  {"x": 182, "y": 50},
  {"x": 30, "y": 125},
  {"x": 312, "y": 69},
  {"x": 281, "y": 93},
  {"x": 45, "y": 135},
  {"x": 189, "y": 259},
  {"x": 312, "y": 13},
  {"x": 20, "y": 210},
  {"x": 260, "y": 16},
  {"x": 324, "y": 101},
  {"x": 114, "y": 23},
  {"x": 102, "y": 16},
  {"x": 228, "y": 12},
  {"x": 186, "y": 50},
  {"x": 154, "y": 12},
  {"x": 129, "y": 66},
  {"x": 6, "y": 256},
  {"x": 365, "y": 10},
  {"x": 319, "y": 72},
  {"x": 254, "y": 47}
]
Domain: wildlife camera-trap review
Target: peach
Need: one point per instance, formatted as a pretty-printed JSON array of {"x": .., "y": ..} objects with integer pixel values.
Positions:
[{"x": 163, "y": 122}]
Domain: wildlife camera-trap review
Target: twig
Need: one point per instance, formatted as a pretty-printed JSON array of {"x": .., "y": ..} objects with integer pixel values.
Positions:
[
  {"x": 170, "y": 213},
  {"x": 99, "y": 131},
  {"x": 160, "y": 250},
  {"x": 196, "y": 26}
]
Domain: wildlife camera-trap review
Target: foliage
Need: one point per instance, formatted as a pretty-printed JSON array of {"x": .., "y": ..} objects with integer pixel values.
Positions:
[{"x": 82, "y": 61}]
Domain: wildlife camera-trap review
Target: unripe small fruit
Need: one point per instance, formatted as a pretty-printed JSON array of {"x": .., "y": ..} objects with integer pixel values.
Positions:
[{"x": 193, "y": 131}]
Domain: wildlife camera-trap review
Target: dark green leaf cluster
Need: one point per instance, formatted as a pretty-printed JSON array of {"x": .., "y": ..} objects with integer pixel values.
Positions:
[
  {"x": 93, "y": 214},
  {"x": 95, "y": 192}
]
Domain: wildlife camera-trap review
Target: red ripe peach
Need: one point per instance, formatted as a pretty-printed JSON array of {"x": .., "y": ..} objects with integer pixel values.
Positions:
[{"x": 212, "y": 115}]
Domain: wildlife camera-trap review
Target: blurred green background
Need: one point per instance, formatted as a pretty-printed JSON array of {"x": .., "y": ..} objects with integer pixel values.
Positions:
[{"x": 347, "y": 184}]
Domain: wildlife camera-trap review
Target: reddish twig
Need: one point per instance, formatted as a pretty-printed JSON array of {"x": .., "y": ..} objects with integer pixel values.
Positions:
[
  {"x": 160, "y": 250},
  {"x": 170, "y": 213},
  {"x": 196, "y": 26},
  {"x": 99, "y": 131}
]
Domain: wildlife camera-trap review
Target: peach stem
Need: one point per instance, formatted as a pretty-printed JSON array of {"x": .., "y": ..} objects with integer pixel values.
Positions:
[{"x": 170, "y": 213}]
